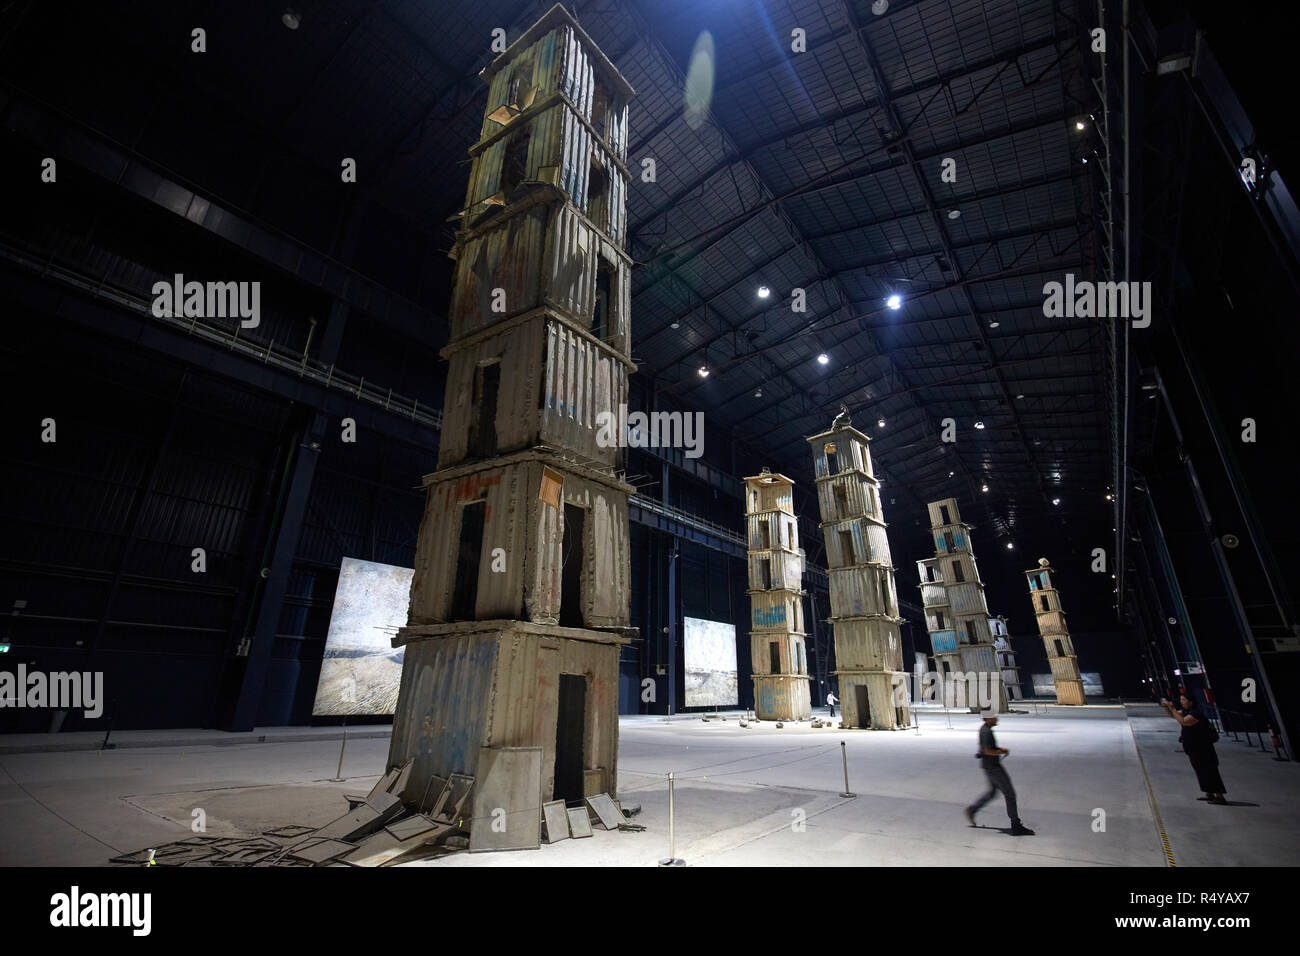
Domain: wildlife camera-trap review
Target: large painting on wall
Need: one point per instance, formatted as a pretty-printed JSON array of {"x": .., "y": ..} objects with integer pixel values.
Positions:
[
  {"x": 710, "y": 651},
  {"x": 361, "y": 671}
]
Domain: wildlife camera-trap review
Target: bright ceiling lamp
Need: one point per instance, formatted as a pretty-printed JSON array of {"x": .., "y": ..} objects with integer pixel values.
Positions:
[
  {"x": 984, "y": 487},
  {"x": 291, "y": 18},
  {"x": 764, "y": 292},
  {"x": 895, "y": 301},
  {"x": 954, "y": 213},
  {"x": 1010, "y": 546},
  {"x": 1056, "y": 501},
  {"x": 704, "y": 371},
  {"x": 979, "y": 426},
  {"x": 880, "y": 423},
  {"x": 823, "y": 358}
]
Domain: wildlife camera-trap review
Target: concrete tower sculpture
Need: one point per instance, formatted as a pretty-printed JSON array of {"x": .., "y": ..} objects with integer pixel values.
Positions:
[
  {"x": 778, "y": 639},
  {"x": 956, "y": 613},
  {"x": 864, "y": 603},
  {"x": 1056, "y": 636},
  {"x": 519, "y": 603}
]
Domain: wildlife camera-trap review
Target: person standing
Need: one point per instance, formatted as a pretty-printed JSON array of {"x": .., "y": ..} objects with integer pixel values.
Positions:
[
  {"x": 1198, "y": 738},
  {"x": 831, "y": 701},
  {"x": 990, "y": 756}
]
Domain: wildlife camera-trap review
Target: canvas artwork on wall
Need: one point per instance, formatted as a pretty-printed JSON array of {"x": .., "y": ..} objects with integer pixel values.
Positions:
[
  {"x": 710, "y": 652},
  {"x": 361, "y": 671}
]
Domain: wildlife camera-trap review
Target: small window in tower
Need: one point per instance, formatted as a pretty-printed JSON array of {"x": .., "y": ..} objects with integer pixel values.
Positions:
[
  {"x": 938, "y": 619},
  {"x": 514, "y": 166},
  {"x": 929, "y": 572},
  {"x": 1060, "y": 648},
  {"x": 765, "y": 574},
  {"x": 601, "y": 323},
  {"x": 957, "y": 574},
  {"x": 597, "y": 189},
  {"x": 943, "y": 515},
  {"x": 1043, "y": 601},
  {"x": 832, "y": 460},
  {"x": 599, "y": 113},
  {"x": 949, "y": 544},
  {"x": 846, "y": 549},
  {"x": 841, "y": 501},
  {"x": 764, "y": 535}
]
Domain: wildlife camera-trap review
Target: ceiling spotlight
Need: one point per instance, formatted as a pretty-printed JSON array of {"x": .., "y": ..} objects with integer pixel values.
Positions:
[
  {"x": 758, "y": 393},
  {"x": 823, "y": 358},
  {"x": 879, "y": 7},
  {"x": 764, "y": 292},
  {"x": 704, "y": 371},
  {"x": 895, "y": 301},
  {"x": 994, "y": 324},
  {"x": 1083, "y": 159},
  {"x": 1080, "y": 125},
  {"x": 979, "y": 426},
  {"x": 1010, "y": 546},
  {"x": 675, "y": 325},
  {"x": 984, "y": 487},
  {"x": 1020, "y": 395},
  {"x": 954, "y": 213},
  {"x": 952, "y": 474},
  {"x": 1056, "y": 501},
  {"x": 880, "y": 423},
  {"x": 291, "y": 19},
  {"x": 1110, "y": 498}
]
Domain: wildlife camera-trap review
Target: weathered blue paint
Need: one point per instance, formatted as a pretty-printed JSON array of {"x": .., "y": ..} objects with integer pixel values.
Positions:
[
  {"x": 943, "y": 641},
  {"x": 769, "y": 617}
]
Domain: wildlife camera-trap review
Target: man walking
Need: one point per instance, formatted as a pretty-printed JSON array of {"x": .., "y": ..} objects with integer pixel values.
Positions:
[
  {"x": 831, "y": 701},
  {"x": 990, "y": 756}
]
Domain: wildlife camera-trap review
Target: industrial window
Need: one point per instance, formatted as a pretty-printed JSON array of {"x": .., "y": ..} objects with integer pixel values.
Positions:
[
  {"x": 841, "y": 500},
  {"x": 938, "y": 620},
  {"x": 943, "y": 515},
  {"x": 774, "y": 657},
  {"x": 464, "y": 597},
  {"x": 929, "y": 572},
  {"x": 871, "y": 500},
  {"x": 597, "y": 190},
  {"x": 832, "y": 460},
  {"x": 1060, "y": 648},
  {"x": 483, "y": 416},
  {"x": 599, "y": 113},
  {"x": 514, "y": 166},
  {"x": 764, "y": 534},
  {"x": 957, "y": 574},
  {"x": 1043, "y": 600},
  {"x": 601, "y": 320},
  {"x": 949, "y": 544},
  {"x": 970, "y": 632},
  {"x": 765, "y": 574},
  {"x": 571, "y": 551},
  {"x": 847, "y": 556},
  {"x": 801, "y": 667}
]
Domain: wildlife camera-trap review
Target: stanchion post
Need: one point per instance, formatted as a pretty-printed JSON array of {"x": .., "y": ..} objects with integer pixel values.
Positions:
[
  {"x": 671, "y": 859},
  {"x": 844, "y": 754}
]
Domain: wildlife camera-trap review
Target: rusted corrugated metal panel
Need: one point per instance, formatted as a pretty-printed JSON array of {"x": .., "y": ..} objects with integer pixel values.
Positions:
[
  {"x": 442, "y": 705},
  {"x": 967, "y": 598}
]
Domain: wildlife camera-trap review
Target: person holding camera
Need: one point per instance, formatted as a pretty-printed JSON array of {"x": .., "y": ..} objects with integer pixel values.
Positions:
[{"x": 1198, "y": 739}]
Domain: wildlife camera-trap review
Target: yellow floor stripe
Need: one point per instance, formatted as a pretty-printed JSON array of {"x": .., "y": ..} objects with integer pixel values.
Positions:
[{"x": 1151, "y": 795}]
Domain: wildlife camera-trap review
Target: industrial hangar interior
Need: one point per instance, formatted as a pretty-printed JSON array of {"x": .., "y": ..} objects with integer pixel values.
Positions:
[{"x": 646, "y": 432}]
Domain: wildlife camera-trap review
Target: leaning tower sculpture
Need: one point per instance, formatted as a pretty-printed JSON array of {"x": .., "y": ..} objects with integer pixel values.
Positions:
[
  {"x": 1056, "y": 636},
  {"x": 864, "y": 603}
]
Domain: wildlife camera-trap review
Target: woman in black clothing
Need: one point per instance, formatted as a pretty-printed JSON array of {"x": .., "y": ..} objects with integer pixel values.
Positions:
[{"x": 1198, "y": 738}]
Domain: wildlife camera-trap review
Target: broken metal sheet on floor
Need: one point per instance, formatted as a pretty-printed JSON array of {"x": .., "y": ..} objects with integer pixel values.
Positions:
[
  {"x": 383, "y": 784},
  {"x": 579, "y": 822},
  {"x": 321, "y": 851},
  {"x": 430, "y": 794},
  {"x": 363, "y": 820},
  {"x": 398, "y": 789},
  {"x": 603, "y": 805},
  {"x": 413, "y": 826},
  {"x": 289, "y": 832},
  {"x": 507, "y": 799},
  {"x": 556, "y": 820},
  {"x": 452, "y": 802},
  {"x": 382, "y": 848}
]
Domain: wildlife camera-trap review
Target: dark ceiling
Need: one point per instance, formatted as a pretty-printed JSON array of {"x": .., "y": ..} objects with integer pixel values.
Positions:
[{"x": 819, "y": 170}]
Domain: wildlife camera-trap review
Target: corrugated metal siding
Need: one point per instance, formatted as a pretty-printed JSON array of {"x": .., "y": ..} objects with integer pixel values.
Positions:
[
  {"x": 517, "y": 347},
  {"x": 443, "y": 704},
  {"x": 582, "y": 380}
]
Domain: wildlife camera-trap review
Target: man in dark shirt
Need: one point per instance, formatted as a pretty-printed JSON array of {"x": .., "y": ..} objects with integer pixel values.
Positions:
[{"x": 990, "y": 756}]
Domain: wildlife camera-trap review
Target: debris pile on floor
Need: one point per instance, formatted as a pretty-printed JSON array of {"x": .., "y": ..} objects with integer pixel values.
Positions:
[{"x": 389, "y": 825}]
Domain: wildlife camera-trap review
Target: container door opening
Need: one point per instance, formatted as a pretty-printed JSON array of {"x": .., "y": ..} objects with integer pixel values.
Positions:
[
  {"x": 570, "y": 731},
  {"x": 571, "y": 576},
  {"x": 465, "y": 595}
]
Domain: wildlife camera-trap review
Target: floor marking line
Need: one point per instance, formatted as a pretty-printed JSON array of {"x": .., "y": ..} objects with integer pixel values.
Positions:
[{"x": 1151, "y": 795}]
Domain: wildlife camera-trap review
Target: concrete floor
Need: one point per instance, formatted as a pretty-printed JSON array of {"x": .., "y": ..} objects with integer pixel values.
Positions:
[{"x": 758, "y": 796}]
